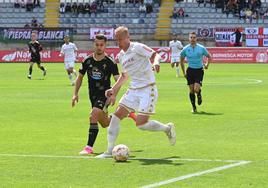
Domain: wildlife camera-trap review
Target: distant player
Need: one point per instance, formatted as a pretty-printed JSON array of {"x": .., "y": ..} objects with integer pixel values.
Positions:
[
  {"x": 194, "y": 53},
  {"x": 69, "y": 51},
  {"x": 99, "y": 68},
  {"x": 175, "y": 47},
  {"x": 141, "y": 95},
  {"x": 35, "y": 48}
]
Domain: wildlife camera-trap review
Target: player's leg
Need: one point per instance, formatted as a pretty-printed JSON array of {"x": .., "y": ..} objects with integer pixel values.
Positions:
[
  {"x": 41, "y": 67},
  {"x": 198, "y": 84},
  {"x": 190, "y": 83},
  {"x": 30, "y": 70},
  {"x": 68, "y": 70},
  {"x": 148, "y": 97},
  {"x": 177, "y": 68}
]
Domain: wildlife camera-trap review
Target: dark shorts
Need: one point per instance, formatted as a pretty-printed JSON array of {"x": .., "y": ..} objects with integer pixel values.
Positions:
[
  {"x": 98, "y": 102},
  {"x": 35, "y": 60},
  {"x": 194, "y": 76}
]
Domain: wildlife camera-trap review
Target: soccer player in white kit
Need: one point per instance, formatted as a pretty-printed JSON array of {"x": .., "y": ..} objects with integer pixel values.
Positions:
[
  {"x": 175, "y": 47},
  {"x": 141, "y": 96},
  {"x": 69, "y": 50}
]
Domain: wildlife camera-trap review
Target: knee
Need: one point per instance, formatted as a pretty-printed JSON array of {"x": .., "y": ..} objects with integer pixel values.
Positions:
[
  {"x": 141, "y": 125},
  {"x": 93, "y": 117}
]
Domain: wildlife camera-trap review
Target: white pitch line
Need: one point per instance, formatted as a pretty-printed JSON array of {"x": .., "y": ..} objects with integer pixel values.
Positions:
[
  {"x": 200, "y": 173},
  {"x": 93, "y": 157}
]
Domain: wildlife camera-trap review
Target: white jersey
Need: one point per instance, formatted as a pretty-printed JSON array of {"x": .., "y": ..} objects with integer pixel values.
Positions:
[
  {"x": 136, "y": 63},
  {"x": 69, "y": 51},
  {"x": 175, "y": 47}
]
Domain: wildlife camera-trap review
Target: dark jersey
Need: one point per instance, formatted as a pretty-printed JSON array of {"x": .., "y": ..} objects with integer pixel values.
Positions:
[
  {"x": 35, "y": 48},
  {"x": 99, "y": 74}
]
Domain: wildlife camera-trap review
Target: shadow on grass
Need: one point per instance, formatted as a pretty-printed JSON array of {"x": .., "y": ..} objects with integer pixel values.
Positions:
[
  {"x": 207, "y": 113},
  {"x": 159, "y": 161}
]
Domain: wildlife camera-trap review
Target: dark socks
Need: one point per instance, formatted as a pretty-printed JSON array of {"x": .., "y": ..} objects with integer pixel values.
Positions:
[
  {"x": 192, "y": 99},
  {"x": 42, "y": 68},
  {"x": 92, "y": 134},
  {"x": 30, "y": 70}
]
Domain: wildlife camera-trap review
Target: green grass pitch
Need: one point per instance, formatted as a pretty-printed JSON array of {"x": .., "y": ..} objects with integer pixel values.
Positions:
[{"x": 38, "y": 129}]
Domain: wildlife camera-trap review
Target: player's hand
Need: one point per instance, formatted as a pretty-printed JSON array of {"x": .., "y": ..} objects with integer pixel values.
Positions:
[
  {"x": 111, "y": 100},
  {"x": 60, "y": 55},
  {"x": 109, "y": 92},
  {"x": 74, "y": 100},
  {"x": 157, "y": 68},
  {"x": 206, "y": 65}
]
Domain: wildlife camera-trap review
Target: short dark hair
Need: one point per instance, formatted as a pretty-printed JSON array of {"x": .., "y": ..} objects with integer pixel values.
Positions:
[{"x": 101, "y": 37}]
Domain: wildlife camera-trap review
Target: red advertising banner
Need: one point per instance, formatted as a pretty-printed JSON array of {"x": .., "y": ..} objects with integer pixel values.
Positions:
[{"x": 219, "y": 55}]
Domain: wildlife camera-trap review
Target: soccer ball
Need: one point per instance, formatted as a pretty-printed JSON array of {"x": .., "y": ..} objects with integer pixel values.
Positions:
[{"x": 120, "y": 153}]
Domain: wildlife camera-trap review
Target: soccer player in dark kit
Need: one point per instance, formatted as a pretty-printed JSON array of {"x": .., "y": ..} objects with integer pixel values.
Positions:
[
  {"x": 35, "y": 48},
  {"x": 99, "y": 68}
]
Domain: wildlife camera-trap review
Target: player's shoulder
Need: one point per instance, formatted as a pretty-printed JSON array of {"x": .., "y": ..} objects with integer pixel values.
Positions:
[
  {"x": 88, "y": 59},
  {"x": 200, "y": 45},
  {"x": 187, "y": 46},
  {"x": 110, "y": 59}
]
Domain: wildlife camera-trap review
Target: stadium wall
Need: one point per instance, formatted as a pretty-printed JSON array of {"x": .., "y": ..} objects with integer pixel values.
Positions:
[{"x": 219, "y": 55}]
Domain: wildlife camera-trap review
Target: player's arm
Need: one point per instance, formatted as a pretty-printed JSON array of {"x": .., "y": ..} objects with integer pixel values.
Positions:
[
  {"x": 208, "y": 62},
  {"x": 112, "y": 93},
  {"x": 78, "y": 84},
  {"x": 182, "y": 60},
  {"x": 155, "y": 58}
]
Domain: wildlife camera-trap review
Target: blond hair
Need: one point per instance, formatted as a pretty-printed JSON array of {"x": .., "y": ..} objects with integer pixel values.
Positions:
[{"x": 122, "y": 30}]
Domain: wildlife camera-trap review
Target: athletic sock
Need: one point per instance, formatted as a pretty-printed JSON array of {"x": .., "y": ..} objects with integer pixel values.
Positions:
[
  {"x": 113, "y": 131},
  {"x": 42, "y": 68},
  {"x": 192, "y": 99},
  {"x": 70, "y": 77},
  {"x": 153, "y": 125},
  {"x": 178, "y": 71},
  {"x": 92, "y": 134},
  {"x": 30, "y": 70},
  {"x": 199, "y": 93}
]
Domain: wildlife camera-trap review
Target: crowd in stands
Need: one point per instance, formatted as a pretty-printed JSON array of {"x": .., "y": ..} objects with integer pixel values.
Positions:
[
  {"x": 246, "y": 10},
  {"x": 29, "y": 5},
  {"x": 97, "y": 6},
  {"x": 34, "y": 24}
]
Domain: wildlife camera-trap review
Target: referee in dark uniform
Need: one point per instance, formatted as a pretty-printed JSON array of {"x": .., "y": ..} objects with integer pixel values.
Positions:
[
  {"x": 35, "y": 48},
  {"x": 194, "y": 53}
]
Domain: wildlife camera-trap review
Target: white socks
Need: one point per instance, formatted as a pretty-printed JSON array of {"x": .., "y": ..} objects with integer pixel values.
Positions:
[
  {"x": 113, "y": 131},
  {"x": 153, "y": 125},
  {"x": 178, "y": 71}
]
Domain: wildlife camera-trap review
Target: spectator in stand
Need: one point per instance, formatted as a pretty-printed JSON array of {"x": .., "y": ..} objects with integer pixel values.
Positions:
[
  {"x": 16, "y": 4},
  {"x": 100, "y": 6},
  {"x": 62, "y": 8},
  {"x": 175, "y": 13},
  {"x": 68, "y": 7},
  {"x": 81, "y": 8},
  {"x": 34, "y": 22},
  {"x": 36, "y": 3},
  {"x": 199, "y": 2},
  {"x": 181, "y": 13},
  {"x": 41, "y": 25},
  {"x": 29, "y": 5},
  {"x": 149, "y": 6},
  {"x": 265, "y": 15},
  {"x": 142, "y": 8},
  {"x": 87, "y": 8},
  {"x": 74, "y": 8},
  {"x": 248, "y": 15},
  {"x": 22, "y": 4},
  {"x": 93, "y": 7},
  {"x": 242, "y": 14}
]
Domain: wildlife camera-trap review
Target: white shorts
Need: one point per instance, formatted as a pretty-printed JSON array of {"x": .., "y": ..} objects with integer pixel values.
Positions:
[
  {"x": 68, "y": 64},
  {"x": 140, "y": 100},
  {"x": 174, "y": 58}
]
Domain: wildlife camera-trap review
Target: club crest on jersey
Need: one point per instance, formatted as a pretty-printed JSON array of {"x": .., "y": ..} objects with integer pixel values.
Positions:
[{"x": 96, "y": 74}]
